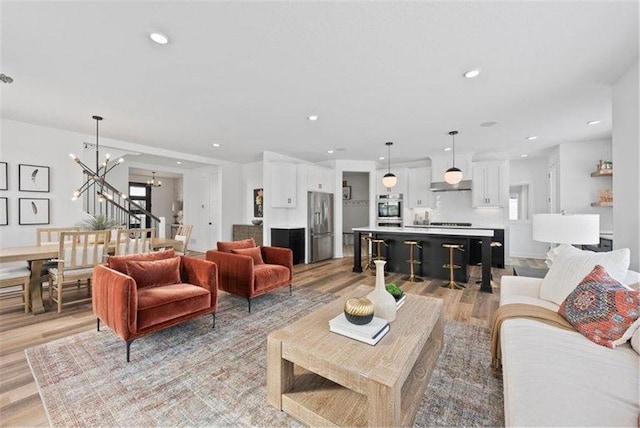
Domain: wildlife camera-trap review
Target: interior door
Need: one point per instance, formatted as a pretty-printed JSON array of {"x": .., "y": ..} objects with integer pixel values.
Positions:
[{"x": 205, "y": 221}]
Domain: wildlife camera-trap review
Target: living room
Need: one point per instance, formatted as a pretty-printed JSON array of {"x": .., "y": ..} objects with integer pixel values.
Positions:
[{"x": 241, "y": 90}]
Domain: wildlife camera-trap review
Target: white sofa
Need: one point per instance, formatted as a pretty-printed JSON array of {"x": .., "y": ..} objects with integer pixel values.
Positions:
[{"x": 555, "y": 377}]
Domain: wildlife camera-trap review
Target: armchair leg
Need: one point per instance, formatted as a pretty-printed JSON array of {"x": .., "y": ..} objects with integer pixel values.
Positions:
[
  {"x": 290, "y": 289},
  {"x": 98, "y": 324},
  {"x": 249, "y": 301},
  {"x": 214, "y": 321},
  {"x": 128, "y": 349}
]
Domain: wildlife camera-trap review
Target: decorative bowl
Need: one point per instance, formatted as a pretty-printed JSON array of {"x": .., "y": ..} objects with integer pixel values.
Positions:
[
  {"x": 256, "y": 221},
  {"x": 359, "y": 311}
]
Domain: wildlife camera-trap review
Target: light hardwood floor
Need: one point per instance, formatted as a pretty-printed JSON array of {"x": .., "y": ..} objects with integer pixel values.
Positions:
[{"x": 20, "y": 403}]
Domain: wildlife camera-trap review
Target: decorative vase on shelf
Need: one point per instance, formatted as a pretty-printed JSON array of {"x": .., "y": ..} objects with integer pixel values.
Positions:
[{"x": 384, "y": 305}]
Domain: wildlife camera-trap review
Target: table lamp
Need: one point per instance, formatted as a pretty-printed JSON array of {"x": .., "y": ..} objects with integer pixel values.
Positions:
[{"x": 563, "y": 228}]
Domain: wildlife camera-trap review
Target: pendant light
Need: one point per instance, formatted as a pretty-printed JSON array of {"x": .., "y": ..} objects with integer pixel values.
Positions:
[
  {"x": 453, "y": 175},
  {"x": 389, "y": 180}
]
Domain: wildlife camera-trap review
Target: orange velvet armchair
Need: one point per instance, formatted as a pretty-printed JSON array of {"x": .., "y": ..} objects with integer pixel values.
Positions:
[
  {"x": 249, "y": 271},
  {"x": 139, "y": 294}
]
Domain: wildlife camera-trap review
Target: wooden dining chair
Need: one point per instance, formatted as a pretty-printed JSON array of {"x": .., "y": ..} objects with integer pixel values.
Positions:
[
  {"x": 51, "y": 235},
  {"x": 134, "y": 241},
  {"x": 14, "y": 284},
  {"x": 183, "y": 235},
  {"x": 78, "y": 254}
]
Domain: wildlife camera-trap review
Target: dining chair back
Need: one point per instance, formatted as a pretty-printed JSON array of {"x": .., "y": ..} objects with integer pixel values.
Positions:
[
  {"x": 51, "y": 235},
  {"x": 134, "y": 241},
  {"x": 183, "y": 234},
  {"x": 78, "y": 254}
]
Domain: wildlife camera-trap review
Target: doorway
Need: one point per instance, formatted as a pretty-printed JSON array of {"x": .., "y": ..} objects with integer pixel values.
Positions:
[
  {"x": 355, "y": 207},
  {"x": 140, "y": 193}
]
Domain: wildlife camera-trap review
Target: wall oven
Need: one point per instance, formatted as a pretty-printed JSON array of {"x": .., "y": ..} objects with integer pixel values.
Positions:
[{"x": 389, "y": 210}]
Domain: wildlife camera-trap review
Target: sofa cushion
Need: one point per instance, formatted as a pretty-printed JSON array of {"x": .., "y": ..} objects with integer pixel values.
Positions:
[
  {"x": 227, "y": 246},
  {"x": 269, "y": 275},
  {"x": 556, "y": 377},
  {"x": 602, "y": 309},
  {"x": 569, "y": 268},
  {"x": 118, "y": 262},
  {"x": 154, "y": 273},
  {"x": 635, "y": 341},
  {"x": 253, "y": 252},
  {"x": 160, "y": 304}
]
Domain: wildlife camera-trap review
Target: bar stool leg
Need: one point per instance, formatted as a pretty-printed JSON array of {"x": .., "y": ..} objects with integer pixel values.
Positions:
[{"x": 412, "y": 277}]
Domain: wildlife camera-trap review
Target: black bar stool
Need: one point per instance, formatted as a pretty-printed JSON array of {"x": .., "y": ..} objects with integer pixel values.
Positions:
[
  {"x": 494, "y": 244},
  {"x": 451, "y": 284},
  {"x": 412, "y": 261}
]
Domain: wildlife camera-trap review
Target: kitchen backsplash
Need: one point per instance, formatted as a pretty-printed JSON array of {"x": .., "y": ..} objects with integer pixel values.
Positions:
[{"x": 456, "y": 207}]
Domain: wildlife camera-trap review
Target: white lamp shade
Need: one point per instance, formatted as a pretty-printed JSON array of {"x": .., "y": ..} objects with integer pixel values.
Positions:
[
  {"x": 453, "y": 176},
  {"x": 389, "y": 180},
  {"x": 580, "y": 229}
]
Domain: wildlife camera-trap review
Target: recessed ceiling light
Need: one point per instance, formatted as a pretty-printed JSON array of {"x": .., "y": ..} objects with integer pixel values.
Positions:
[
  {"x": 593, "y": 122},
  {"x": 533, "y": 137},
  {"x": 159, "y": 38},
  {"x": 447, "y": 149},
  {"x": 524, "y": 155},
  {"x": 179, "y": 162},
  {"x": 490, "y": 123},
  {"x": 216, "y": 145},
  {"x": 472, "y": 73},
  {"x": 381, "y": 158},
  {"x": 312, "y": 117},
  {"x": 330, "y": 151}
]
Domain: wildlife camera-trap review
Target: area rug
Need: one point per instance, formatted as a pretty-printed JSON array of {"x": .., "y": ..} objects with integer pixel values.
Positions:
[{"x": 192, "y": 375}]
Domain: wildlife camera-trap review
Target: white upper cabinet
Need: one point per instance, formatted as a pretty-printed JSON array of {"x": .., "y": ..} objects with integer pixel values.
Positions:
[
  {"x": 489, "y": 188},
  {"x": 320, "y": 179},
  {"x": 283, "y": 185},
  {"x": 419, "y": 194}
]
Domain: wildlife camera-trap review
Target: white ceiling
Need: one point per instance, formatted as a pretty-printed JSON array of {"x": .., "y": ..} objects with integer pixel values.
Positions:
[{"x": 247, "y": 74}]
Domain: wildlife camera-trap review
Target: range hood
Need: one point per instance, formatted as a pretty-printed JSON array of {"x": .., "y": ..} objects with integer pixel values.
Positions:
[{"x": 443, "y": 186}]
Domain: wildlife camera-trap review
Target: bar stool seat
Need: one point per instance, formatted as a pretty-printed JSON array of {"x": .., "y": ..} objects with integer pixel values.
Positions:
[
  {"x": 412, "y": 261},
  {"x": 451, "y": 284},
  {"x": 494, "y": 244}
]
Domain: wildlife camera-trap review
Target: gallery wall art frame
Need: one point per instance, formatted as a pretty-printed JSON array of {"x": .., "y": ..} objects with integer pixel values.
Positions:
[
  {"x": 33, "y": 178},
  {"x": 4, "y": 177},
  {"x": 258, "y": 202},
  {"x": 346, "y": 193},
  {"x": 33, "y": 211},
  {"x": 4, "y": 211}
]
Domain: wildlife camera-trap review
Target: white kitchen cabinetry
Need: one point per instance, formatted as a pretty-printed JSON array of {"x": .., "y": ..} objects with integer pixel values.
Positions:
[
  {"x": 320, "y": 179},
  {"x": 488, "y": 184},
  {"x": 419, "y": 193},
  {"x": 283, "y": 185}
]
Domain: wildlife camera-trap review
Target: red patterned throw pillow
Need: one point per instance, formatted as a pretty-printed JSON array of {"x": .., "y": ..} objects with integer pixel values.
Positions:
[{"x": 602, "y": 309}]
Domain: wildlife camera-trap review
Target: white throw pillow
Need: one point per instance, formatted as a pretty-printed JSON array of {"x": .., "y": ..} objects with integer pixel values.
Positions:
[
  {"x": 635, "y": 341},
  {"x": 552, "y": 254},
  {"x": 570, "y": 267}
]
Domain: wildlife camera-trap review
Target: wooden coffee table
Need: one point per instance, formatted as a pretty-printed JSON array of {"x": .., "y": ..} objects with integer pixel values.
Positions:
[{"x": 325, "y": 379}]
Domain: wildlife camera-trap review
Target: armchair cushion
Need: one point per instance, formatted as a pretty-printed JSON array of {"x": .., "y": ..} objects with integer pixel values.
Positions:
[
  {"x": 160, "y": 304},
  {"x": 253, "y": 252},
  {"x": 227, "y": 246},
  {"x": 268, "y": 276},
  {"x": 118, "y": 262},
  {"x": 154, "y": 273}
]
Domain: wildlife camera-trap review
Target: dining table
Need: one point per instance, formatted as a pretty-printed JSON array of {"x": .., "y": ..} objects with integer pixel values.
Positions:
[{"x": 36, "y": 255}]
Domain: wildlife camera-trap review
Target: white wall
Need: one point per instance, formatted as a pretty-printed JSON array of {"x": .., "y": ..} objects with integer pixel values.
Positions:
[
  {"x": 577, "y": 188},
  {"x": 252, "y": 179},
  {"x": 22, "y": 143},
  {"x": 532, "y": 171},
  {"x": 626, "y": 164}
]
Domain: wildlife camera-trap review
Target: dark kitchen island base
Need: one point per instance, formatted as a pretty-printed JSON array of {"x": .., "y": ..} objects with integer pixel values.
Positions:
[{"x": 432, "y": 255}]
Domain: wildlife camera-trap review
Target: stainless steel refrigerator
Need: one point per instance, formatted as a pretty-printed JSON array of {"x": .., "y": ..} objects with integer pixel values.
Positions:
[{"x": 320, "y": 226}]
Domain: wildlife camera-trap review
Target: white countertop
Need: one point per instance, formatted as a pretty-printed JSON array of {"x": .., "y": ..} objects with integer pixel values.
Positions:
[
  {"x": 467, "y": 231},
  {"x": 429, "y": 226}
]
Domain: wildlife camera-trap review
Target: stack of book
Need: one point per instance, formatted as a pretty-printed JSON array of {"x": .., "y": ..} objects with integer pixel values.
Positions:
[
  {"x": 400, "y": 301},
  {"x": 370, "y": 333}
]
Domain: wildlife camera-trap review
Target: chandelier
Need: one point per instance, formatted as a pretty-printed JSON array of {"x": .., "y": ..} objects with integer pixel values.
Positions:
[
  {"x": 153, "y": 182},
  {"x": 98, "y": 175}
]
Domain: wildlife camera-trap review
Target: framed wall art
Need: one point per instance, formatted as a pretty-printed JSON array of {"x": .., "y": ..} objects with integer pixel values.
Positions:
[
  {"x": 258, "y": 202},
  {"x": 346, "y": 192},
  {"x": 33, "y": 178},
  {"x": 33, "y": 211},
  {"x": 4, "y": 212},
  {"x": 4, "y": 178}
]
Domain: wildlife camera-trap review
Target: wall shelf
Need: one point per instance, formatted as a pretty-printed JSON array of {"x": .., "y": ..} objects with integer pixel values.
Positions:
[
  {"x": 601, "y": 204},
  {"x": 602, "y": 173}
]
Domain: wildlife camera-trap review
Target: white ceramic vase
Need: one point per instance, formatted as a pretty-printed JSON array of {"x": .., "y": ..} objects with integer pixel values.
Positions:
[{"x": 384, "y": 305}]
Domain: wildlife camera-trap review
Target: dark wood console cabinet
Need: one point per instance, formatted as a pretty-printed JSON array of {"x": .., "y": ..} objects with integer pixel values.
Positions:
[{"x": 290, "y": 238}]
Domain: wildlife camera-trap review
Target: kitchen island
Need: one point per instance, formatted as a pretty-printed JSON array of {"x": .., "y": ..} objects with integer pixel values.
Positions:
[{"x": 432, "y": 253}]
